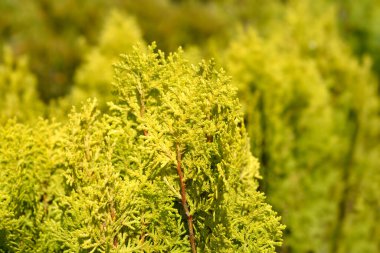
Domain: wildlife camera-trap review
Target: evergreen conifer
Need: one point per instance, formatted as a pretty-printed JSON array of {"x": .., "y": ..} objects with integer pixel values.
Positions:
[{"x": 169, "y": 169}]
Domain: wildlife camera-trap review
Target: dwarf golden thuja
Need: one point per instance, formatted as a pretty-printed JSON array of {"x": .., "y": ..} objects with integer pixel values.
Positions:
[
  {"x": 312, "y": 113},
  {"x": 119, "y": 34},
  {"x": 18, "y": 95},
  {"x": 169, "y": 169},
  {"x": 285, "y": 102},
  {"x": 355, "y": 104},
  {"x": 29, "y": 183},
  {"x": 94, "y": 76}
]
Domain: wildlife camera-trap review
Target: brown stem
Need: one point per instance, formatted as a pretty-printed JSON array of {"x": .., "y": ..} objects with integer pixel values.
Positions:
[
  {"x": 346, "y": 201},
  {"x": 142, "y": 109},
  {"x": 115, "y": 242},
  {"x": 143, "y": 225},
  {"x": 45, "y": 201},
  {"x": 113, "y": 218},
  {"x": 184, "y": 202}
]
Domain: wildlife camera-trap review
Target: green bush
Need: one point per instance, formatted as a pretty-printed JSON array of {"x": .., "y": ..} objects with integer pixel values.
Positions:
[
  {"x": 303, "y": 73},
  {"x": 313, "y": 116},
  {"x": 169, "y": 164},
  {"x": 18, "y": 95},
  {"x": 119, "y": 34},
  {"x": 30, "y": 182},
  {"x": 359, "y": 24}
]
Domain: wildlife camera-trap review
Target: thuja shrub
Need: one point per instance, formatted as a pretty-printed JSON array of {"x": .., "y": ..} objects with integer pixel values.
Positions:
[
  {"x": 312, "y": 113},
  {"x": 358, "y": 23},
  {"x": 287, "y": 105},
  {"x": 169, "y": 169},
  {"x": 18, "y": 95},
  {"x": 119, "y": 33},
  {"x": 29, "y": 183},
  {"x": 355, "y": 103}
]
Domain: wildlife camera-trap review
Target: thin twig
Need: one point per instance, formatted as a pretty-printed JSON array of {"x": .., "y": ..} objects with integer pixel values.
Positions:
[
  {"x": 113, "y": 218},
  {"x": 184, "y": 202},
  {"x": 142, "y": 108}
]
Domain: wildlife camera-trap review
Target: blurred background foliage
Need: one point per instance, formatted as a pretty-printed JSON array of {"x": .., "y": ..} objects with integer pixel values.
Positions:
[
  {"x": 312, "y": 108},
  {"x": 307, "y": 72}
]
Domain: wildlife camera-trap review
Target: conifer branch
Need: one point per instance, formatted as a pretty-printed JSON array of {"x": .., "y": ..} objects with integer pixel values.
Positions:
[
  {"x": 184, "y": 202},
  {"x": 113, "y": 217},
  {"x": 142, "y": 108},
  {"x": 346, "y": 198},
  {"x": 143, "y": 228}
]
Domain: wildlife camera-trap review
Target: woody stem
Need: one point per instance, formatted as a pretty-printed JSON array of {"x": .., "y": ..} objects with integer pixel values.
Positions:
[{"x": 184, "y": 202}]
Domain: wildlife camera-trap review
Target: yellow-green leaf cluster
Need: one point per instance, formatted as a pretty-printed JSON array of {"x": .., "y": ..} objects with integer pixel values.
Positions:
[
  {"x": 115, "y": 182},
  {"x": 18, "y": 95},
  {"x": 312, "y": 114}
]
